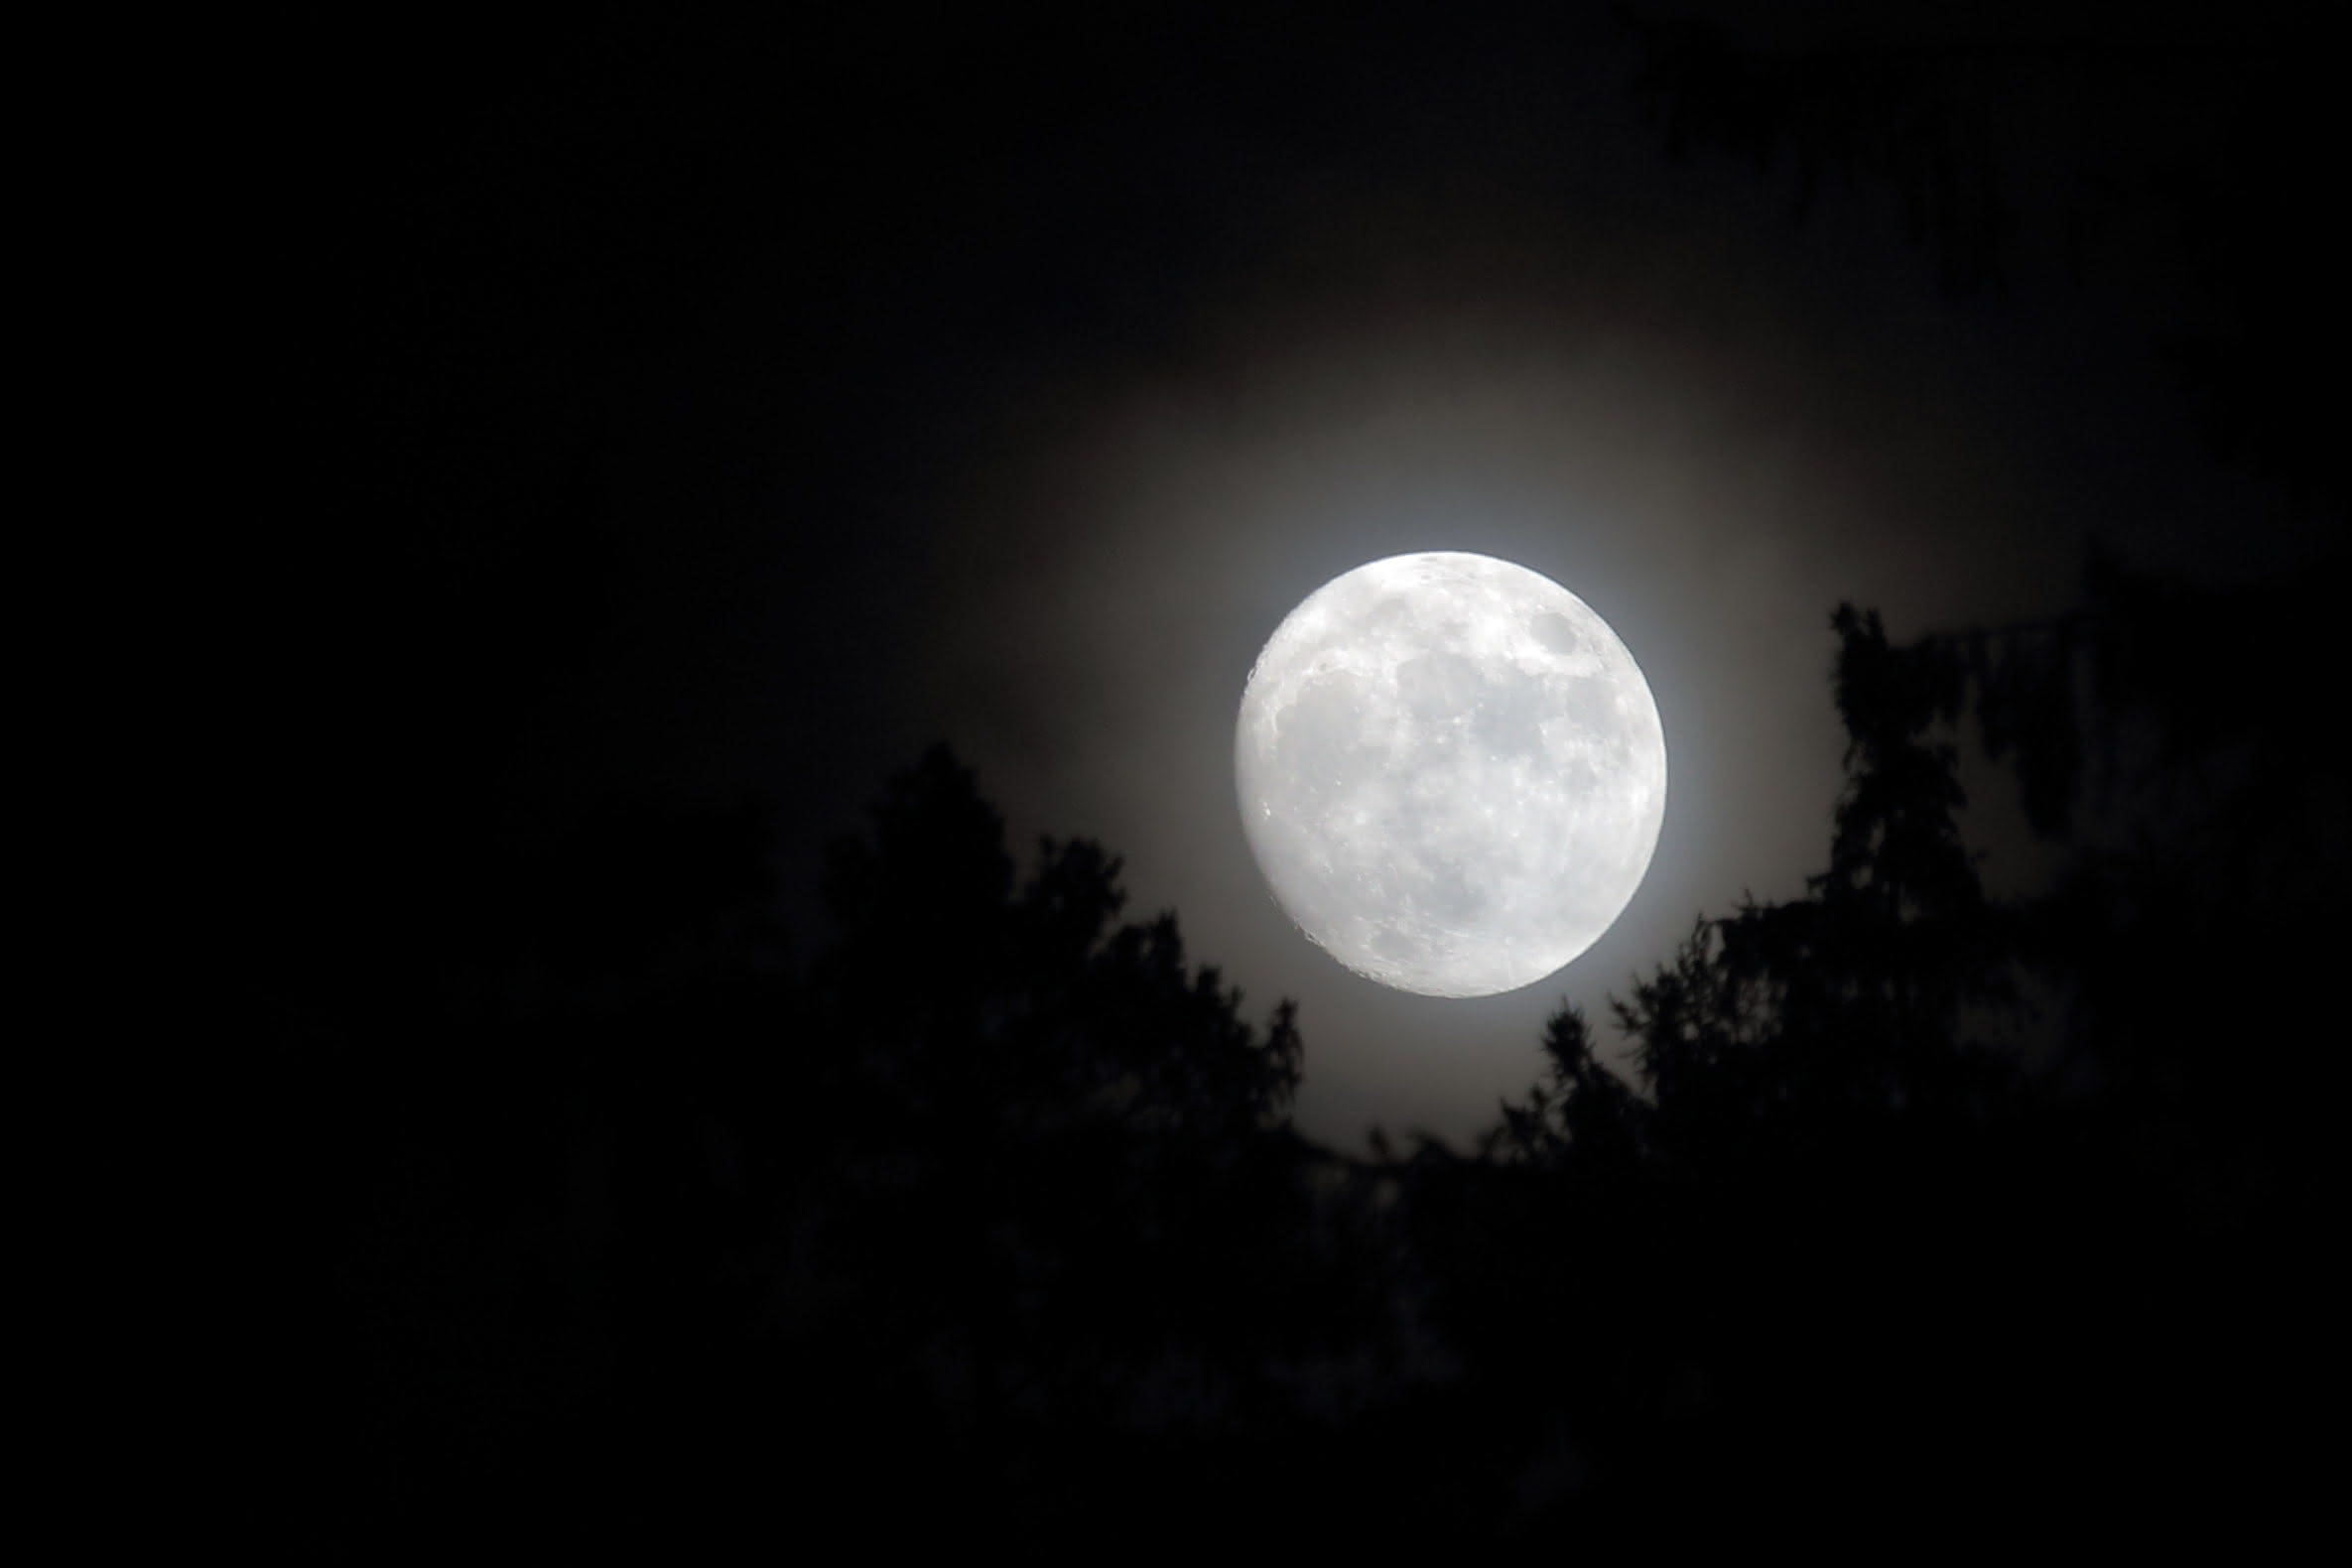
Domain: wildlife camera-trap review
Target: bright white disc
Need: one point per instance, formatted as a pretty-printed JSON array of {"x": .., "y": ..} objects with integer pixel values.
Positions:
[{"x": 1451, "y": 771}]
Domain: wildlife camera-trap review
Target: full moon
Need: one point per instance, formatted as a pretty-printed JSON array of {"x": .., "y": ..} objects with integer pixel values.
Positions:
[{"x": 1451, "y": 771}]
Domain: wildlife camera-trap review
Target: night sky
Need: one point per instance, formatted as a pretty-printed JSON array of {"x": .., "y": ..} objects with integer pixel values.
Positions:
[
  {"x": 634, "y": 439},
  {"x": 718, "y": 411}
]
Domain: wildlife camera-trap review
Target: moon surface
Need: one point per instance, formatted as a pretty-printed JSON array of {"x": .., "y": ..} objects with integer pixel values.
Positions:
[{"x": 1451, "y": 771}]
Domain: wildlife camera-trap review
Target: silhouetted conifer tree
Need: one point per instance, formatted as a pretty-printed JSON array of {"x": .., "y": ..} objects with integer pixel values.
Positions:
[
  {"x": 1877, "y": 1217},
  {"x": 1052, "y": 1229}
]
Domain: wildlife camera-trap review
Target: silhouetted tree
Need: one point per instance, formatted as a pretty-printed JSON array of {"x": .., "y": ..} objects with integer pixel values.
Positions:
[
  {"x": 1049, "y": 1226},
  {"x": 1875, "y": 1217}
]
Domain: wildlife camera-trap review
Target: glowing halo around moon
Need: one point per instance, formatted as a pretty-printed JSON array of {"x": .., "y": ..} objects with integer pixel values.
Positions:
[{"x": 1451, "y": 771}]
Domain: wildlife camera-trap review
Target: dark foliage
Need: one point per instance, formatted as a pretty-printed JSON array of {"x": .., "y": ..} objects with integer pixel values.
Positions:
[
  {"x": 1969, "y": 1215},
  {"x": 990, "y": 1224}
]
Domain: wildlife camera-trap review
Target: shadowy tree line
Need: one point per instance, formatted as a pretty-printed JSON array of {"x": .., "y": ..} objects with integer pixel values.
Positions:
[{"x": 1923, "y": 1212}]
